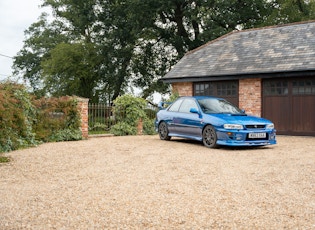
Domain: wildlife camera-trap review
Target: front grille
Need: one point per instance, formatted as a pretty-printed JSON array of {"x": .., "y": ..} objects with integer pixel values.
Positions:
[{"x": 255, "y": 126}]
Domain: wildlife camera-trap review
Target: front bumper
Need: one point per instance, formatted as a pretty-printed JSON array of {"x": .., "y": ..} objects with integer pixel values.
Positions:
[{"x": 241, "y": 137}]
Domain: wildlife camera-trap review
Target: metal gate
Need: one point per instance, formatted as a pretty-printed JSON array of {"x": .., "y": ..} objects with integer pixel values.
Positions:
[{"x": 100, "y": 118}]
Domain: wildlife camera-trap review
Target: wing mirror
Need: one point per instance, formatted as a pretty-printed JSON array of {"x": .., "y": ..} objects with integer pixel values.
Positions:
[{"x": 194, "y": 110}]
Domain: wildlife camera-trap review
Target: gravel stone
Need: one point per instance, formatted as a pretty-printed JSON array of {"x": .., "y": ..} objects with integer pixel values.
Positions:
[{"x": 142, "y": 182}]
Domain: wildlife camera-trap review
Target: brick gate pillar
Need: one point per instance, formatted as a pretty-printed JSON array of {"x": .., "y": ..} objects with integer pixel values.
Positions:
[{"x": 83, "y": 107}]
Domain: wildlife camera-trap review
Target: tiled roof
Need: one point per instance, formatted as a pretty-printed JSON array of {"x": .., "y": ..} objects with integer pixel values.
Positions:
[{"x": 286, "y": 48}]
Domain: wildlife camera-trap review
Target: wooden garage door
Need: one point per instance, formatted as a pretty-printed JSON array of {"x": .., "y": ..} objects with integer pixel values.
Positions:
[
  {"x": 290, "y": 104},
  {"x": 224, "y": 89}
]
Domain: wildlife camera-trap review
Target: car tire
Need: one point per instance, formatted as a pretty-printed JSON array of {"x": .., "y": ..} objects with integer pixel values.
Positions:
[
  {"x": 163, "y": 131},
  {"x": 209, "y": 137}
]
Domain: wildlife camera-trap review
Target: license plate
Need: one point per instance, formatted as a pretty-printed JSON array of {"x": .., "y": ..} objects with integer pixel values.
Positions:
[{"x": 257, "y": 135}]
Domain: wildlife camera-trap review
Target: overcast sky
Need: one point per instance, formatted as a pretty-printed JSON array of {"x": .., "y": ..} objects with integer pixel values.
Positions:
[{"x": 15, "y": 17}]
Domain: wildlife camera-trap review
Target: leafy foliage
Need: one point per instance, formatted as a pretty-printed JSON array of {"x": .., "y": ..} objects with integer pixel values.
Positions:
[
  {"x": 78, "y": 64},
  {"x": 148, "y": 126},
  {"x": 287, "y": 11},
  {"x": 42, "y": 37},
  {"x": 128, "y": 111},
  {"x": 17, "y": 115},
  {"x": 26, "y": 122},
  {"x": 123, "y": 129},
  {"x": 59, "y": 119},
  {"x": 4, "y": 159}
]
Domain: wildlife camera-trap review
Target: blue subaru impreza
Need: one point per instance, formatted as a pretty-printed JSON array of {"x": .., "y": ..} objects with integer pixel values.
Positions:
[{"x": 214, "y": 121}]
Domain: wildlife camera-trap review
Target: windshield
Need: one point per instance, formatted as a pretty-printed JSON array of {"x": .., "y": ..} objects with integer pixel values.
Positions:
[{"x": 213, "y": 105}]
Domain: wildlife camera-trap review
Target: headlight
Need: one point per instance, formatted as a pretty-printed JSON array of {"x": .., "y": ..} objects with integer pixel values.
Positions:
[
  {"x": 270, "y": 126},
  {"x": 232, "y": 126}
]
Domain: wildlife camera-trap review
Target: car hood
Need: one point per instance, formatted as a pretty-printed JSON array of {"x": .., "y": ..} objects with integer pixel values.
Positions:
[{"x": 243, "y": 119}]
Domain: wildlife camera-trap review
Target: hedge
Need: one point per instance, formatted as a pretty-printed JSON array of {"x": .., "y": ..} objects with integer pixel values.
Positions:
[{"x": 26, "y": 121}]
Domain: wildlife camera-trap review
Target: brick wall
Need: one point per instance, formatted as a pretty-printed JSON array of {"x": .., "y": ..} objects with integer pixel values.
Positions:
[
  {"x": 183, "y": 88},
  {"x": 83, "y": 106},
  {"x": 250, "y": 96}
]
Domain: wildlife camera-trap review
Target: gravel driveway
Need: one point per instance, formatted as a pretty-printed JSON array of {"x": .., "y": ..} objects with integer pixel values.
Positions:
[{"x": 141, "y": 182}]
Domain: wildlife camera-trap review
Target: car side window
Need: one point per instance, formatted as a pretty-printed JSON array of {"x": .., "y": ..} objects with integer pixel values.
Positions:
[
  {"x": 175, "y": 106},
  {"x": 187, "y": 105}
]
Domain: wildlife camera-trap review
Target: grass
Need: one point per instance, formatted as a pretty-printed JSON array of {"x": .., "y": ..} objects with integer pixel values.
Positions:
[
  {"x": 91, "y": 132},
  {"x": 4, "y": 159}
]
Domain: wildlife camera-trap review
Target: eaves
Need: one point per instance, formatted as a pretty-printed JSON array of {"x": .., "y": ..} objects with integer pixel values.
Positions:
[{"x": 266, "y": 75}]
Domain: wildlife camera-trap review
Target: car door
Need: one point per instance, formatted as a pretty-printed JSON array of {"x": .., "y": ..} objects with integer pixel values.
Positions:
[
  {"x": 172, "y": 114},
  {"x": 187, "y": 123}
]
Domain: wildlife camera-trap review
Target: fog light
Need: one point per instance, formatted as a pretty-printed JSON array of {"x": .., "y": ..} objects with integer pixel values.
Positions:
[
  {"x": 272, "y": 136},
  {"x": 230, "y": 134},
  {"x": 238, "y": 137}
]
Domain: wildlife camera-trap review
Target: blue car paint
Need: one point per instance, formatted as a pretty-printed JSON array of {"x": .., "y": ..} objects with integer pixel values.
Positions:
[{"x": 191, "y": 125}]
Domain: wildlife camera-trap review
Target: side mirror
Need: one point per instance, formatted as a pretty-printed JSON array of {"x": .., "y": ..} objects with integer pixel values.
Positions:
[{"x": 194, "y": 110}]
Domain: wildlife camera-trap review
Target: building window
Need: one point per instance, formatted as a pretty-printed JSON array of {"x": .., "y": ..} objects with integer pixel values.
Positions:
[
  {"x": 275, "y": 88},
  {"x": 221, "y": 89},
  {"x": 227, "y": 89},
  {"x": 202, "y": 89},
  {"x": 303, "y": 87}
]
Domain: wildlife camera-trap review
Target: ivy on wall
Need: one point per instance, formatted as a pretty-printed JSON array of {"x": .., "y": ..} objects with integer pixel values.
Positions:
[
  {"x": 26, "y": 121},
  {"x": 17, "y": 115}
]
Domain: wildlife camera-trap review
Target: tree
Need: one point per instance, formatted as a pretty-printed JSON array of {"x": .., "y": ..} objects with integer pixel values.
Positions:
[
  {"x": 72, "y": 69},
  {"x": 42, "y": 36},
  {"x": 287, "y": 11}
]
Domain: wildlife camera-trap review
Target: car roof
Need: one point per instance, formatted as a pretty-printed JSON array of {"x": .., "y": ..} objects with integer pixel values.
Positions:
[{"x": 201, "y": 97}]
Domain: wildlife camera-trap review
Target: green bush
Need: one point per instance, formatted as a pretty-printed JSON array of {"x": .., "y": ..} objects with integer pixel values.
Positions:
[
  {"x": 151, "y": 113},
  {"x": 148, "y": 126},
  {"x": 66, "y": 135},
  {"x": 4, "y": 159},
  {"x": 26, "y": 122},
  {"x": 100, "y": 124},
  {"x": 17, "y": 115},
  {"x": 123, "y": 129},
  {"x": 58, "y": 119},
  {"x": 128, "y": 111}
]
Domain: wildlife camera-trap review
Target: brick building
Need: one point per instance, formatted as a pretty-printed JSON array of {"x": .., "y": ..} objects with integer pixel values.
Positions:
[{"x": 269, "y": 72}]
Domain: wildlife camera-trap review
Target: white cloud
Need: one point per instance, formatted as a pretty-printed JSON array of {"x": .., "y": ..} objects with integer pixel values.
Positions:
[{"x": 15, "y": 17}]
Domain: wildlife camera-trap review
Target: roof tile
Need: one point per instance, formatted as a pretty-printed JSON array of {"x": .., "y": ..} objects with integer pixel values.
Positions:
[{"x": 271, "y": 49}]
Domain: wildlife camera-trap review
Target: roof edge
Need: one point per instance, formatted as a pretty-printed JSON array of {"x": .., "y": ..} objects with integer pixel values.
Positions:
[{"x": 300, "y": 73}]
